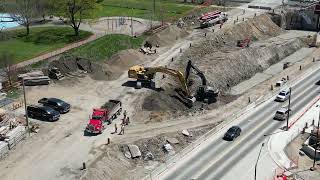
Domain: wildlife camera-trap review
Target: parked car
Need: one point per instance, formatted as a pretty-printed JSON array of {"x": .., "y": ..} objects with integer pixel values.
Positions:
[
  {"x": 56, "y": 104},
  {"x": 282, "y": 114},
  {"x": 318, "y": 82},
  {"x": 283, "y": 95},
  {"x": 232, "y": 133},
  {"x": 42, "y": 113}
]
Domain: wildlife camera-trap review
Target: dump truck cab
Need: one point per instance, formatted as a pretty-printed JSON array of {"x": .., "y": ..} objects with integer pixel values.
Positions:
[
  {"x": 107, "y": 113},
  {"x": 97, "y": 120}
]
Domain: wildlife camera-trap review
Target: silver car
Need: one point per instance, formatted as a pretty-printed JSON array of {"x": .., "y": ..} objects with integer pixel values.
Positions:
[
  {"x": 281, "y": 114},
  {"x": 283, "y": 95}
]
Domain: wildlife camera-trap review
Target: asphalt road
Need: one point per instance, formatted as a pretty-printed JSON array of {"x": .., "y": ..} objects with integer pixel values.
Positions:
[{"x": 217, "y": 157}]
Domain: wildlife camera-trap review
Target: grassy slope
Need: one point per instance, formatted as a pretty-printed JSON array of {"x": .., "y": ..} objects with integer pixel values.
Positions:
[
  {"x": 41, "y": 40},
  {"x": 142, "y": 8},
  {"x": 106, "y": 46}
]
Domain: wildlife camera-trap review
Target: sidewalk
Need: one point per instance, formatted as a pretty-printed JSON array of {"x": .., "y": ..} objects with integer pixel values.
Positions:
[
  {"x": 58, "y": 51},
  {"x": 278, "y": 142}
]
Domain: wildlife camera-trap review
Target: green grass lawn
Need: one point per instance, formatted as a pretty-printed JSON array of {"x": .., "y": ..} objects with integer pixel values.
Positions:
[
  {"x": 40, "y": 40},
  {"x": 166, "y": 9},
  {"x": 106, "y": 46}
]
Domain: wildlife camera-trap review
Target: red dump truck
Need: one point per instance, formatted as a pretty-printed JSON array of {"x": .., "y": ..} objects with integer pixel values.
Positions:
[{"x": 105, "y": 114}]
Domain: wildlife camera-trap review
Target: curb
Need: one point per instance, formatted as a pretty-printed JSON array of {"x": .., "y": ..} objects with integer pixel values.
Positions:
[{"x": 274, "y": 154}]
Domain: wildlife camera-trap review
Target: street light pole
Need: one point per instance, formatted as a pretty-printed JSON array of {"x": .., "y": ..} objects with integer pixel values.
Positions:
[
  {"x": 255, "y": 167},
  {"x": 288, "y": 115},
  {"x": 25, "y": 106}
]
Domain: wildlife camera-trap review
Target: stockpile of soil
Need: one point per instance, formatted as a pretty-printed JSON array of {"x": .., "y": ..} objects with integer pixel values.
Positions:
[
  {"x": 125, "y": 59},
  {"x": 97, "y": 71},
  {"x": 167, "y": 36},
  {"x": 110, "y": 70},
  {"x": 226, "y": 65}
]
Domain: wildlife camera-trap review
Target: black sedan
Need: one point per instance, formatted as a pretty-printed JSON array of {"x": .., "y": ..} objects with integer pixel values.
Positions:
[
  {"x": 56, "y": 104},
  {"x": 232, "y": 133}
]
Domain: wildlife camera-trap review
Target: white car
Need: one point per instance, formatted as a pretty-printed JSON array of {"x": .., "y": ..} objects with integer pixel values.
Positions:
[{"x": 283, "y": 95}]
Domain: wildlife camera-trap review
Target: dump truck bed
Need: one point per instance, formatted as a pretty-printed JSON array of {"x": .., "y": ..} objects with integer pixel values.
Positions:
[{"x": 112, "y": 106}]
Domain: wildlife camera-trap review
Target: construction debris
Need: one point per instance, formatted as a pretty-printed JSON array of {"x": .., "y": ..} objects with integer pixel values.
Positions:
[
  {"x": 147, "y": 50},
  {"x": 172, "y": 140},
  {"x": 169, "y": 149},
  {"x": 186, "y": 133},
  {"x": 127, "y": 154},
  {"x": 148, "y": 156},
  {"x": 134, "y": 150}
]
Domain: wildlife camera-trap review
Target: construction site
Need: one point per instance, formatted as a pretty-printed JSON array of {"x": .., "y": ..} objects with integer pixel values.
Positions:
[{"x": 188, "y": 78}]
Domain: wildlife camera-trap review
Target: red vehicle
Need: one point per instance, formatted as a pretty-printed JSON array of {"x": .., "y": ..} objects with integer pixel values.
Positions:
[
  {"x": 244, "y": 43},
  {"x": 106, "y": 114}
]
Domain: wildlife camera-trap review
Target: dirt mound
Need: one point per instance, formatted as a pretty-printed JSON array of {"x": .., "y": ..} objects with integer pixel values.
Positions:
[
  {"x": 97, "y": 71},
  {"x": 167, "y": 36},
  {"x": 226, "y": 65},
  {"x": 125, "y": 59}
]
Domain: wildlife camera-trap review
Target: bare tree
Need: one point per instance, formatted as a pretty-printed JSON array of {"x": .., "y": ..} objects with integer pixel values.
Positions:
[
  {"x": 75, "y": 11},
  {"x": 43, "y": 7},
  {"x": 9, "y": 69},
  {"x": 23, "y": 12}
]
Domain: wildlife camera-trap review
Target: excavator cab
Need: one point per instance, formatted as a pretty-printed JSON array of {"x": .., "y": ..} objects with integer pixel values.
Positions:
[{"x": 204, "y": 92}]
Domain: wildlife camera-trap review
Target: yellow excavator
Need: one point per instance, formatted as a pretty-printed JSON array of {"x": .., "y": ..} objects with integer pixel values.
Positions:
[{"x": 147, "y": 74}]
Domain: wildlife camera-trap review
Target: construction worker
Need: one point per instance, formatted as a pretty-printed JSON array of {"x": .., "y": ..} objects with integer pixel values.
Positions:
[
  {"x": 122, "y": 130},
  {"x": 115, "y": 128},
  {"x": 128, "y": 121},
  {"x": 124, "y": 114},
  {"x": 221, "y": 24}
]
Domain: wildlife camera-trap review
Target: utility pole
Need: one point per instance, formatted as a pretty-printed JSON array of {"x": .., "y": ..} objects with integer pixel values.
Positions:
[
  {"x": 131, "y": 22},
  {"x": 25, "y": 106},
  {"x": 255, "y": 167},
  {"x": 316, "y": 147},
  {"x": 288, "y": 115}
]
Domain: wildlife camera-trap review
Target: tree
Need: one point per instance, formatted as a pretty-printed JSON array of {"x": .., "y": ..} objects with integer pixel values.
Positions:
[
  {"x": 75, "y": 11},
  {"x": 23, "y": 12},
  {"x": 43, "y": 7},
  {"x": 9, "y": 69}
]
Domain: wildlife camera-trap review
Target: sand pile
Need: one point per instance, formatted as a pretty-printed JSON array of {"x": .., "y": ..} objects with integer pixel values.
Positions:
[
  {"x": 125, "y": 59},
  {"x": 167, "y": 36}
]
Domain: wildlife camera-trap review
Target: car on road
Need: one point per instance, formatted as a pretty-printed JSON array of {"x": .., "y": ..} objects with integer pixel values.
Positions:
[
  {"x": 42, "y": 113},
  {"x": 232, "y": 133},
  {"x": 282, "y": 114},
  {"x": 56, "y": 104},
  {"x": 318, "y": 82},
  {"x": 283, "y": 95}
]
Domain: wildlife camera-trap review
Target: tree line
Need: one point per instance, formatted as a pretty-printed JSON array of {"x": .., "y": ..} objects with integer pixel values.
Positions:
[{"x": 25, "y": 12}]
